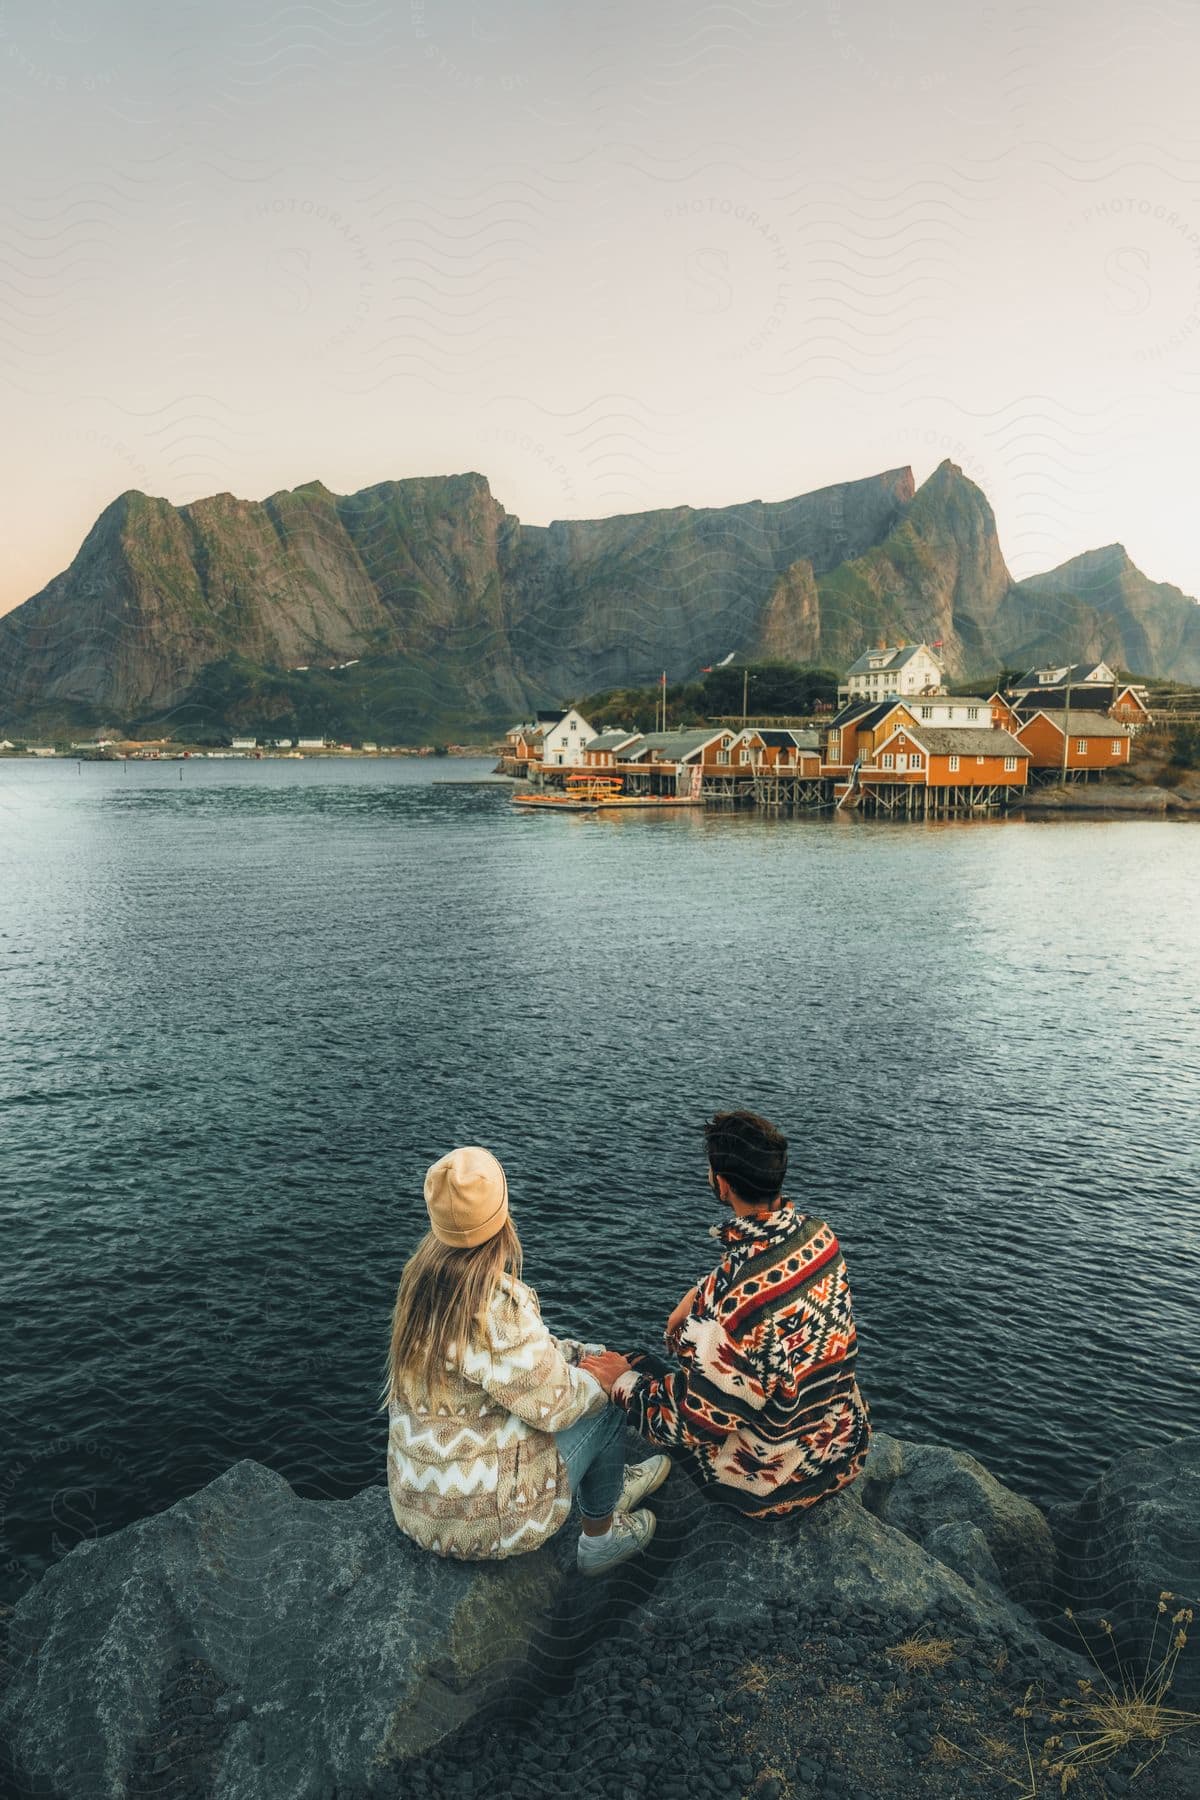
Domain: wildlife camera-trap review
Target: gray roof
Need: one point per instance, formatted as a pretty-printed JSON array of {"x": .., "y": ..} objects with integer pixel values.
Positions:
[
  {"x": 611, "y": 740},
  {"x": 864, "y": 712},
  {"x": 676, "y": 744},
  {"x": 1087, "y": 724},
  {"x": 783, "y": 735},
  {"x": 894, "y": 658},
  {"x": 960, "y": 740},
  {"x": 1077, "y": 673}
]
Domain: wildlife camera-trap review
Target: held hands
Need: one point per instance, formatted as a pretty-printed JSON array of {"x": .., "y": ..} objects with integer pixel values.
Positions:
[{"x": 605, "y": 1367}]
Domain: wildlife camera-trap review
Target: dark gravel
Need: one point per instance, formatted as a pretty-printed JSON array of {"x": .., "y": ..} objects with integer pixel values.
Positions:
[{"x": 800, "y": 1707}]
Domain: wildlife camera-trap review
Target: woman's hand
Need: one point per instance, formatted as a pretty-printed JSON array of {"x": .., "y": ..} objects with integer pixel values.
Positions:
[
  {"x": 680, "y": 1314},
  {"x": 606, "y": 1368}
]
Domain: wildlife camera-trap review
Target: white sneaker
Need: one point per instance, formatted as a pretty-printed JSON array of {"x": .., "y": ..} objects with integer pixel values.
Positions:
[
  {"x": 641, "y": 1479},
  {"x": 629, "y": 1535}
]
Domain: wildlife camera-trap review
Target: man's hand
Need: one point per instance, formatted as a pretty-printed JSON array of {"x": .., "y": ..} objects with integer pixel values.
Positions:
[
  {"x": 606, "y": 1368},
  {"x": 680, "y": 1314}
]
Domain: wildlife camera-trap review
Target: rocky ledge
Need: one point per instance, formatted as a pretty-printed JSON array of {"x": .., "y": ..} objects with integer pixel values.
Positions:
[
  {"x": 1153, "y": 798},
  {"x": 894, "y": 1641}
]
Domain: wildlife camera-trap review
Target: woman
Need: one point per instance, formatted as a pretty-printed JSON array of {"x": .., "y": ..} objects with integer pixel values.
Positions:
[{"x": 492, "y": 1425}]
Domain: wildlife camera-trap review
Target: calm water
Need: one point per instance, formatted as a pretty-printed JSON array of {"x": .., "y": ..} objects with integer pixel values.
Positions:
[{"x": 244, "y": 1009}]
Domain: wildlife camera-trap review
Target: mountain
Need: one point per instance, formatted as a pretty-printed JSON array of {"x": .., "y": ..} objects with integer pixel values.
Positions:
[
  {"x": 1100, "y": 605},
  {"x": 454, "y": 616},
  {"x": 937, "y": 574},
  {"x": 457, "y": 613}
]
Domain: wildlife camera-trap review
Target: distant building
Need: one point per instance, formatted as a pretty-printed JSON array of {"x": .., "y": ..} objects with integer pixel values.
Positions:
[
  {"x": 857, "y": 730},
  {"x": 1093, "y": 687},
  {"x": 601, "y": 752},
  {"x": 244, "y": 743},
  {"x": 564, "y": 740},
  {"x": 40, "y": 750},
  {"x": 1093, "y": 741},
  {"x": 951, "y": 756},
  {"x": 371, "y": 748},
  {"x": 893, "y": 669},
  {"x": 311, "y": 743},
  {"x": 776, "y": 747}
]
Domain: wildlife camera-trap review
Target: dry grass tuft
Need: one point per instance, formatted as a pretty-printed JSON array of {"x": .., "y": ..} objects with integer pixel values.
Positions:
[
  {"x": 843, "y": 1693},
  {"x": 1104, "y": 1720},
  {"x": 944, "y": 1751},
  {"x": 755, "y": 1679},
  {"x": 922, "y": 1652}
]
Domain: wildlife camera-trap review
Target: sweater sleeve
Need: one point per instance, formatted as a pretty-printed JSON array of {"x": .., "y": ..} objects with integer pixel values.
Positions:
[
  {"x": 716, "y": 1391},
  {"x": 526, "y": 1372}
]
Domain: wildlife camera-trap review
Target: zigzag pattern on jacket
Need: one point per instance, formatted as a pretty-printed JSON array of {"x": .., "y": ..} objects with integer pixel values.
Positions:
[
  {"x": 765, "y": 1399},
  {"x": 478, "y": 1474}
]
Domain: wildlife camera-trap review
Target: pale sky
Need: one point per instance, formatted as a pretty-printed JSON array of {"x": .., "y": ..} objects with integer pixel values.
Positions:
[{"x": 613, "y": 256}]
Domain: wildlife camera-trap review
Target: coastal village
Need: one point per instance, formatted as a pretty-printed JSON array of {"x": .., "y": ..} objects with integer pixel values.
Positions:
[{"x": 898, "y": 746}]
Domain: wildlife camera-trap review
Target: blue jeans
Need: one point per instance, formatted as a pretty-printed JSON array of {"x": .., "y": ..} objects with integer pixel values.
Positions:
[{"x": 593, "y": 1449}]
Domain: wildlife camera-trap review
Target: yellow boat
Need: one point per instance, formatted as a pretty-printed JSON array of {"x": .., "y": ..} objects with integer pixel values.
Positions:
[{"x": 591, "y": 793}]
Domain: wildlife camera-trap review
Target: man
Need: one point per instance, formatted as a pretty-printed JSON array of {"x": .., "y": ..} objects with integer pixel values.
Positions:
[{"x": 764, "y": 1402}]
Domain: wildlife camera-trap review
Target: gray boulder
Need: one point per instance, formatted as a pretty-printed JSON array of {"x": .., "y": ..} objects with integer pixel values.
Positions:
[
  {"x": 247, "y": 1644},
  {"x": 1133, "y": 1536},
  {"x": 836, "y": 1555},
  {"x": 924, "y": 1489},
  {"x": 258, "y": 1644}
]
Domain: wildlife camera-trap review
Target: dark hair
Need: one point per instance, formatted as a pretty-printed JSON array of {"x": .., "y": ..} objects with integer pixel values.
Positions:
[{"x": 748, "y": 1151}]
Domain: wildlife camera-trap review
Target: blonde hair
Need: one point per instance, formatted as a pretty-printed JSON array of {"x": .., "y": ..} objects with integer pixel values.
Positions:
[{"x": 442, "y": 1303}]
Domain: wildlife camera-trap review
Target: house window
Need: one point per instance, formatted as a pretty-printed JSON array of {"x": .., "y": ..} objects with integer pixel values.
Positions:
[
  {"x": 927, "y": 712},
  {"x": 916, "y": 762},
  {"x": 979, "y": 760},
  {"x": 1081, "y": 745},
  {"x": 722, "y": 756},
  {"x": 888, "y": 760},
  {"x": 743, "y": 756},
  {"x": 1010, "y": 765},
  {"x": 972, "y": 712},
  {"x": 954, "y": 765},
  {"x": 1116, "y": 746}
]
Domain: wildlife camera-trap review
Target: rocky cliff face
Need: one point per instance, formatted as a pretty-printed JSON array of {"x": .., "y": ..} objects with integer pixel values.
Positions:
[
  {"x": 474, "y": 613},
  {"x": 1101, "y": 605},
  {"x": 457, "y": 613},
  {"x": 937, "y": 574}
]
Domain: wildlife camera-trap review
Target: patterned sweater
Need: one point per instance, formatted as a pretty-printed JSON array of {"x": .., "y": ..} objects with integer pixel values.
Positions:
[
  {"x": 765, "y": 1397},
  {"x": 479, "y": 1475}
]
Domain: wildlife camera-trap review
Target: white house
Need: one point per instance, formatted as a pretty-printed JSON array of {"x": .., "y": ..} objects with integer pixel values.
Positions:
[
  {"x": 564, "y": 740},
  {"x": 311, "y": 743},
  {"x": 244, "y": 743},
  {"x": 942, "y": 710},
  {"x": 1078, "y": 674},
  {"x": 892, "y": 669}
]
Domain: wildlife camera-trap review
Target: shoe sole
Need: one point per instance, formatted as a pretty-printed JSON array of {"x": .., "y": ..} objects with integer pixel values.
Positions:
[
  {"x": 590, "y": 1574},
  {"x": 646, "y": 1492}
]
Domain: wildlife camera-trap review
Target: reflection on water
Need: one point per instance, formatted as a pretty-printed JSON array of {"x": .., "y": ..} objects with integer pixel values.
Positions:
[{"x": 247, "y": 1005}]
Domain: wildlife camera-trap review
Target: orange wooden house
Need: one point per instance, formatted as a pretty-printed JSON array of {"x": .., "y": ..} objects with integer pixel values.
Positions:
[
  {"x": 774, "y": 748},
  {"x": 1094, "y": 743},
  {"x": 951, "y": 756},
  {"x": 601, "y": 752},
  {"x": 1130, "y": 705}
]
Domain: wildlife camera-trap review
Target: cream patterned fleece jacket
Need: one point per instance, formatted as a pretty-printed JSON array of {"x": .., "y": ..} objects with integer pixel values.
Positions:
[{"x": 479, "y": 1474}]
